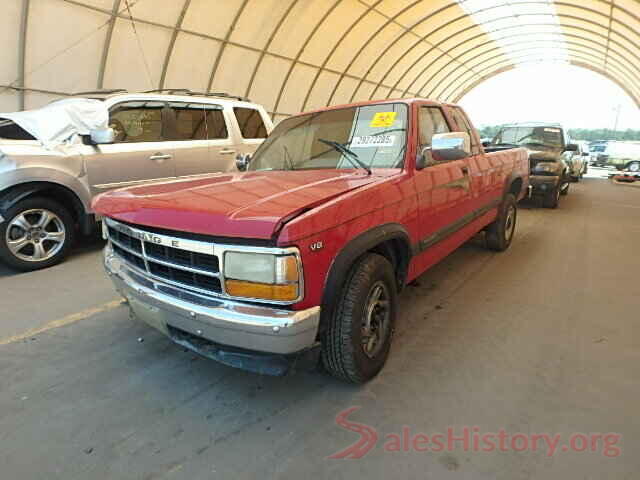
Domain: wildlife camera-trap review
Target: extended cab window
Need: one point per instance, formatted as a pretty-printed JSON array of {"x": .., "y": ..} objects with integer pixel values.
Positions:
[
  {"x": 199, "y": 121},
  {"x": 432, "y": 121},
  {"x": 250, "y": 122},
  {"x": 135, "y": 122},
  {"x": 374, "y": 134},
  {"x": 464, "y": 126}
]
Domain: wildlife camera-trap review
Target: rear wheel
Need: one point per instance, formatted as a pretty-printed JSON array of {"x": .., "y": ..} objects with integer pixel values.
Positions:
[
  {"x": 500, "y": 233},
  {"x": 634, "y": 167},
  {"x": 358, "y": 338},
  {"x": 37, "y": 233}
]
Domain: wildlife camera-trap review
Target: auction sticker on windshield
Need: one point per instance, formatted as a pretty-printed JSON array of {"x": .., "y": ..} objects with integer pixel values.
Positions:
[
  {"x": 373, "y": 141},
  {"x": 383, "y": 119}
]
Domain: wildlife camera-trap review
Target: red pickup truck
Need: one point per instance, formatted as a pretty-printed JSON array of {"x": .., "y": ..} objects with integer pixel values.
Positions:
[{"x": 303, "y": 254}]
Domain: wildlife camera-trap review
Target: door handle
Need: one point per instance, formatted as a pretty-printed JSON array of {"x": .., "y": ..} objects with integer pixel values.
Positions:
[
  {"x": 160, "y": 157},
  {"x": 227, "y": 152}
]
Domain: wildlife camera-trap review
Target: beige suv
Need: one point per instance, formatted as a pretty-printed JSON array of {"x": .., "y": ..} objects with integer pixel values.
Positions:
[{"x": 54, "y": 160}]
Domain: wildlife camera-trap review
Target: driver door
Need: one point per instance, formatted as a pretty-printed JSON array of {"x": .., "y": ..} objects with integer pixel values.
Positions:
[{"x": 140, "y": 152}]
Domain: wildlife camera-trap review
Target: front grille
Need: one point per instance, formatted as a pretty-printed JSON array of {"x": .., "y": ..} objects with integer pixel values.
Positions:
[{"x": 195, "y": 270}]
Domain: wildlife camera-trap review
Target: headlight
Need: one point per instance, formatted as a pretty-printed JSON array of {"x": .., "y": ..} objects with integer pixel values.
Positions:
[
  {"x": 262, "y": 276},
  {"x": 544, "y": 168}
]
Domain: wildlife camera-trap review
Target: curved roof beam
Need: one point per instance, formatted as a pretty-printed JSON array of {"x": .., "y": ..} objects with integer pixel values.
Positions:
[
  {"x": 225, "y": 42},
  {"x": 107, "y": 43},
  {"x": 301, "y": 51},
  {"x": 576, "y": 53},
  {"x": 172, "y": 42},
  {"x": 580, "y": 64},
  {"x": 264, "y": 50},
  {"x": 581, "y": 60},
  {"x": 458, "y": 96},
  {"x": 334, "y": 49},
  {"x": 563, "y": 16},
  {"x": 467, "y": 16},
  {"x": 364, "y": 45},
  {"x": 622, "y": 66}
]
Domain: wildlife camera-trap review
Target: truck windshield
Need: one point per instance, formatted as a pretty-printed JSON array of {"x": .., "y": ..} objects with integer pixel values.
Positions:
[
  {"x": 372, "y": 136},
  {"x": 534, "y": 136}
]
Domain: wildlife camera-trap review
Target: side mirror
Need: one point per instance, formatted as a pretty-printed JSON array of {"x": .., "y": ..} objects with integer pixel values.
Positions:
[
  {"x": 102, "y": 137},
  {"x": 572, "y": 147},
  {"x": 486, "y": 143},
  {"x": 450, "y": 146},
  {"x": 242, "y": 161}
]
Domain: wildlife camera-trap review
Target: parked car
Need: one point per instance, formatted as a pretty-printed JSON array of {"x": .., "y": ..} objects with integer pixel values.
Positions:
[
  {"x": 551, "y": 153},
  {"x": 304, "y": 254},
  {"x": 579, "y": 162},
  {"x": 621, "y": 155},
  {"x": 55, "y": 159}
]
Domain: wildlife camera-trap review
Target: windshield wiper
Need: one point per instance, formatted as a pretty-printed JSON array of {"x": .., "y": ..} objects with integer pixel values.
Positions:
[{"x": 349, "y": 155}]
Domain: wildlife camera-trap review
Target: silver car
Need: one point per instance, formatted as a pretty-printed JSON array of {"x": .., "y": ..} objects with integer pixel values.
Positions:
[{"x": 54, "y": 160}]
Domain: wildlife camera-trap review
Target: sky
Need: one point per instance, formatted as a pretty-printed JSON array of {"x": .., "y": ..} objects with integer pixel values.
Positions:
[{"x": 570, "y": 95}]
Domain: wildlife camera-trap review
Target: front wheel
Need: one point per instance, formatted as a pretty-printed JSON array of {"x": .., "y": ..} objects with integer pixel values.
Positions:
[
  {"x": 500, "y": 233},
  {"x": 358, "y": 338},
  {"x": 634, "y": 167},
  {"x": 37, "y": 233},
  {"x": 552, "y": 198}
]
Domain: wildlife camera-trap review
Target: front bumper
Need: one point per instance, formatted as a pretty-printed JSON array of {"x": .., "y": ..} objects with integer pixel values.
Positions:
[
  {"x": 257, "y": 338},
  {"x": 542, "y": 184}
]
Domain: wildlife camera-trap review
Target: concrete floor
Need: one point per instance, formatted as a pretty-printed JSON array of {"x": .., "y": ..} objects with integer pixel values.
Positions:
[{"x": 541, "y": 339}]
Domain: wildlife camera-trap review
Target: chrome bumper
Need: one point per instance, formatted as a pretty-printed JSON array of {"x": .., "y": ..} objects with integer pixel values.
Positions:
[{"x": 223, "y": 322}]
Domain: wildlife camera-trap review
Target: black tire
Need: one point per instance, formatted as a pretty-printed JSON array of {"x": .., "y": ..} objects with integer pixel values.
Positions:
[
  {"x": 343, "y": 351},
  {"x": 55, "y": 251},
  {"x": 634, "y": 167},
  {"x": 499, "y": 234},
  {"x": 552, "y": 197}
]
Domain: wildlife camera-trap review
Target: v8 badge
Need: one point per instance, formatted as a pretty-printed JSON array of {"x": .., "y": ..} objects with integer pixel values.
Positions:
[{"x": 315, "y": 246}]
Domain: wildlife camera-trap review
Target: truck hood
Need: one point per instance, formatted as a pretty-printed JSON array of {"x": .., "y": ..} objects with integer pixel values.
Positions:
[
  {"x": 246, "y": 205},
  {"x": 544, "y": 154}
]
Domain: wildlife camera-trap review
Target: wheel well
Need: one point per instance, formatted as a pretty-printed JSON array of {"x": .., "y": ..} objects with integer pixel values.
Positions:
[
  {"x": 398, "y": 252},
  {"x": 515, "y": 187},
  {"x": 59, "y": 193}
]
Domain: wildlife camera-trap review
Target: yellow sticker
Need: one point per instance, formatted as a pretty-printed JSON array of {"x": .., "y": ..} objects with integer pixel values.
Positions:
[{"x": 383, "y": 119}]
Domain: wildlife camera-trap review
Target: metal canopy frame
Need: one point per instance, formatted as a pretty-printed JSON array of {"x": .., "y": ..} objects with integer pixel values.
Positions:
[{"x": 610, "y": 29}]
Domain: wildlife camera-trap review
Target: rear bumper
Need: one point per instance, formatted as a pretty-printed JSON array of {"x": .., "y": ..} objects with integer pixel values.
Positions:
[{"x": 256, "y": 338}]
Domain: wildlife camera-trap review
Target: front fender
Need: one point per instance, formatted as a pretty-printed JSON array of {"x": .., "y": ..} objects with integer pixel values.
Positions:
[
  {"x": 29, "y": 180},
  {"x": 344, "y": 260}
]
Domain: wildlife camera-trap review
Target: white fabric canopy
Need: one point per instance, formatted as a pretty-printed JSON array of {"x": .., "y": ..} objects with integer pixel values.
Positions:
[{"x": 60, "y": 121}]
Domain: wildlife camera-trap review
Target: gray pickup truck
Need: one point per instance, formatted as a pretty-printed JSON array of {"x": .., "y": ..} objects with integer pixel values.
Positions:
[{"x": 54, "y": 160}]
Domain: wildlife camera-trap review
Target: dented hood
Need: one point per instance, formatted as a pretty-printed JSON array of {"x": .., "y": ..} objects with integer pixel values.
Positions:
[{"x": 248, "y": 205}]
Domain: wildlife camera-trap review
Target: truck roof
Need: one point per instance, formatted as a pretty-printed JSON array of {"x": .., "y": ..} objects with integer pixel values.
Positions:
[
  {"x": 406, "y": 101},
  {"x": 533, "y": 124}
]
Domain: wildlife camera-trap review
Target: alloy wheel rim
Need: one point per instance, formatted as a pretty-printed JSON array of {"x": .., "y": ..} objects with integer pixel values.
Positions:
[
  {"x": 634, "y": 167},
  {"x": 35, "y": 235},
  {"x": 376, "y": 324}
]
